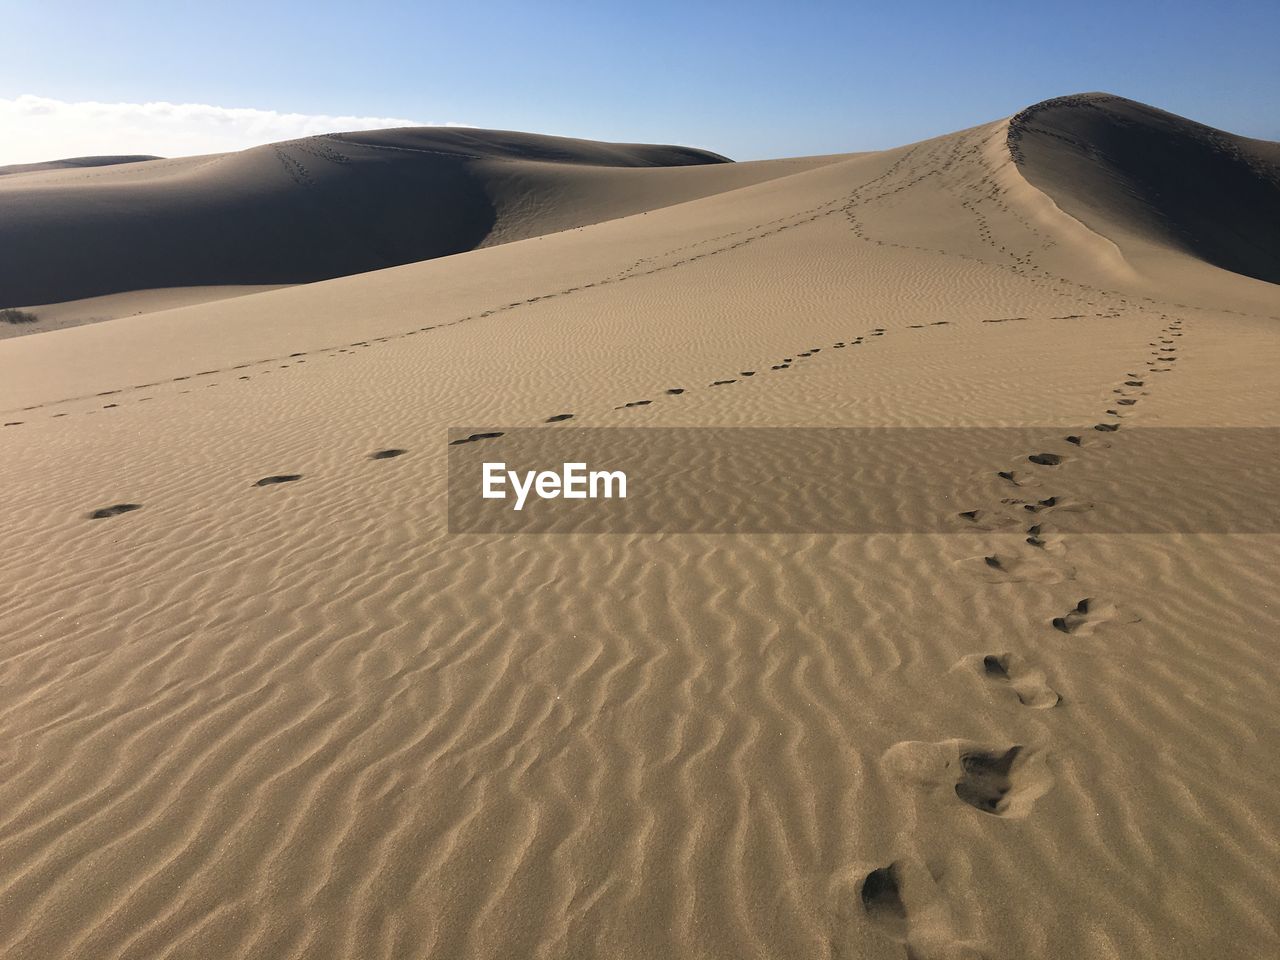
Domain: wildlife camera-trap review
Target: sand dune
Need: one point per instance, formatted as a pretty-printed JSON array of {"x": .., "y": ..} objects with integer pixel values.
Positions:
[
  {"x": 327, "y": 206},
  {"x": 259, "y": 702},
  {"x": 1146, "y": 178}
]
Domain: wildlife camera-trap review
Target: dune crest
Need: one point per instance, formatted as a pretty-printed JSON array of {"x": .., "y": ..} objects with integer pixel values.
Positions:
[{"x": 1146, "y": 178}]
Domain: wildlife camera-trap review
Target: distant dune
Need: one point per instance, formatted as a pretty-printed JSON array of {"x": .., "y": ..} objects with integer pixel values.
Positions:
[
  {"x": 72, "y": 163},
  {"x": 324, "y": 207}
]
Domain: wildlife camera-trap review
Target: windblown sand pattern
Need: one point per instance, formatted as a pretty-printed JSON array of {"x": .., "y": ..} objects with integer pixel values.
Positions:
[{"x": 259, "y": 703}]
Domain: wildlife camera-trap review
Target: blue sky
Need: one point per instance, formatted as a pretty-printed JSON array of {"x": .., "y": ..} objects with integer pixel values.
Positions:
[{"x": 747, "y": 79}]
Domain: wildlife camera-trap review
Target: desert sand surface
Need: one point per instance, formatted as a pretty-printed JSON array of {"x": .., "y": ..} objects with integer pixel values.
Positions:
[
  {"x": 73, "y": 313},
  {"x": 260, "y": 703}
]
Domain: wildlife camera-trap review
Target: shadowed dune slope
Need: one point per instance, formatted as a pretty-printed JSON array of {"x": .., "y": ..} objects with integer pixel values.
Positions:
[
  {"x": 1146, "y": 178},
  {"x": 326, "y": 206}
]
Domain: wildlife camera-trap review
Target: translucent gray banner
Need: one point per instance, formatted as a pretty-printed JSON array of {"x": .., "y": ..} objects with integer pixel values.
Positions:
[{"x": 1100, "y": 478}]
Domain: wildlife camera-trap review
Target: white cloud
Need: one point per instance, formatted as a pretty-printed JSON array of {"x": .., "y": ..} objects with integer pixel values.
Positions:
[{"x": 39, "y": 128}]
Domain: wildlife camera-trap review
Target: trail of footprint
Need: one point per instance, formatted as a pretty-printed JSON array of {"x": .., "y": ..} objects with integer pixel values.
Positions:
[{"x": 386, "y": 454}]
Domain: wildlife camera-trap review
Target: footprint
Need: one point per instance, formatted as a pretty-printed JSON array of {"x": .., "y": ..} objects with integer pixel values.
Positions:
[
  {"x": 986, "y": 779},
  {"x": 1008, "y": 568},
  {"x": 113, "y": 511},
  {"x": 474, "y": 437},
  {"x": 986, "y": 520},
  {"x": 1090, "y": 614},
  {"x": 1045, "y": 459},
  {"x": 279, "y": 478},
  {"x": 1018, "y": 478},
  {"x": 559, "y": 418},
  {"x": 1106, "y": 427},
  {"x": 1039, "y": 505},
  {"x": 675, "y": 391},
  {"x": 634, "y": 403},
  {"x": 721, "y": 383},
  {"x": 1002, "y": 781},
  {"x": 387, "y": 454},
  {"x": 882, "y": 900},
  {"x": 1008, "y": 670}
]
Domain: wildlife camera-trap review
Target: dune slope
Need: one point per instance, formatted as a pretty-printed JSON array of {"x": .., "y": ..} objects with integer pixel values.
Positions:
[
  {"x": 1149, "y": 178},
  {"x": 323, "y": 207}
]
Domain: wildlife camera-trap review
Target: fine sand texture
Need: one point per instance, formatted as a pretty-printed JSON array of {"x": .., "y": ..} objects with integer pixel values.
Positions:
[
  {"x": 260, "y": 703},
  {"x": 72, "y": 313}
]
